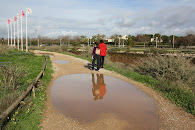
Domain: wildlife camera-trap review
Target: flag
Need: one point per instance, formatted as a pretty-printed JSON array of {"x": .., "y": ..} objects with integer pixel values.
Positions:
[
  {"x": 23, "y": 13},
  {"x": 15, "y": 19},
  {"x": 8, "y": 21},
  {"x": 29, "y": 11}
]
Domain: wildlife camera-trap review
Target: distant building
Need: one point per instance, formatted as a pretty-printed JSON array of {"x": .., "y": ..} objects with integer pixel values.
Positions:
[
  {"x": 154, "y": 40},
  {"x": 110, "y": 40}
]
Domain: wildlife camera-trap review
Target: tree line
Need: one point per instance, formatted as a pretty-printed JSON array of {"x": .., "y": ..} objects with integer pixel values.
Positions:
[{"x": 129, "y": 40}]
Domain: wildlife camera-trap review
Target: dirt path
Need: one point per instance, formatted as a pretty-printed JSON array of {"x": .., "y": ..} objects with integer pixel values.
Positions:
[{"x": 171, "y": 117}]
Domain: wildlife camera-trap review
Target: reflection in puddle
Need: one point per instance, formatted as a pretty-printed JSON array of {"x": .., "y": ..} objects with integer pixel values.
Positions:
[
  {"x": 99, "y": 88},
  {"x": 61, "y": 61},
  {"x": 86, "y": 96}
]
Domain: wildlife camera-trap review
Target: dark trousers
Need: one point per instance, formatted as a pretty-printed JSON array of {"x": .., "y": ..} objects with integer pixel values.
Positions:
[
  {"x": 102, "y": 61},
  {"x": 98, "y": 61}
]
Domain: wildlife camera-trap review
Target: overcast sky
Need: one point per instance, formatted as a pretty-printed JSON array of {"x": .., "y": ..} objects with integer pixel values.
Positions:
[{"x": 54, "y": 18}]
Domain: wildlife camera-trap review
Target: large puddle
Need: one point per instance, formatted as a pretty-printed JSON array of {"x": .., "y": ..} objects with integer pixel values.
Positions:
[
  {"x": 61, "y": 61},
  {"x": 86, "y": 96}
]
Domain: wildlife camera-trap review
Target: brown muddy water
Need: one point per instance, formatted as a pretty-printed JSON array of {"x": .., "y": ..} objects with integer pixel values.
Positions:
[
  {"x": 85, "y": 97},
  {"x": 61, "y": 61}
]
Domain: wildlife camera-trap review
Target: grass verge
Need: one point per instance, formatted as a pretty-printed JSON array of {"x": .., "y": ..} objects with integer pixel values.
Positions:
[{"x": 29, "y": 113}]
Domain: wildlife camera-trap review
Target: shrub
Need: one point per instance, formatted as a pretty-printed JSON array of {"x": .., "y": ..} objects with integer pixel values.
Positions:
[
  {"x": 155, "y": 51},
  {"x": 177, "y": 70},
  {"x": 3, "y": 49},
  {"x": 176, "y": 76},
  {"x": 11, "y": 76},
  {"x": 53, "y": 48},
  {"x": 33, "y": 47},
  {"x": 87, "y": 52},
  {"x": 64, "y": 48},
  {"x": 114, "y": 49}
]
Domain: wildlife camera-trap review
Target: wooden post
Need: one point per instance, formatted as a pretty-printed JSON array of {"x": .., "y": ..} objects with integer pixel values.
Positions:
[{"x": 33, "y": 90}]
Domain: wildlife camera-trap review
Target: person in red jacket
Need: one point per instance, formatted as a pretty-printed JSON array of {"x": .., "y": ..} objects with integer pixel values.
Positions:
[{"x": 103, "y": 49}]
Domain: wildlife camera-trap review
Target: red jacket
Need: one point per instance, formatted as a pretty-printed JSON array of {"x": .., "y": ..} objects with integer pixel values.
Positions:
[
  {"x": 103, "y": 49},
  {"x": 102, "y": 90}
]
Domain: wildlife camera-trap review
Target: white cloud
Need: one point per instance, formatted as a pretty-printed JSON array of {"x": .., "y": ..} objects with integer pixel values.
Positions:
[
  {"x": 55, "y": 34},
  {"x": 77, "y": 17}
]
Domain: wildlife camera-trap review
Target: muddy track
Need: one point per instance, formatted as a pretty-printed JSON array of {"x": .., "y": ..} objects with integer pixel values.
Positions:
[{"x": 171, "y": 117}]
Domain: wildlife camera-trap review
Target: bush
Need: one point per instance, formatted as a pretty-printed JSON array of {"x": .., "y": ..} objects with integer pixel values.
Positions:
[
  {"x": 114, "y": 49},
  {"x": 87, "y": 52},
  {"x": 155, "y": 51},
  {"x": 11, "y": 76},
  {"x": 176, "y": 76},
  {"x": 64, "y": 48},
  {"x": 33, "y": 47},
  {"x": 52, "y": 48},
  {"x": 177, "y": 70},
  {"x": 3, "y": 49}
]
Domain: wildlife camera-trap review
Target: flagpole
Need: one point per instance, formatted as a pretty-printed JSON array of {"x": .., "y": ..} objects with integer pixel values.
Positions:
[
  {"x": 8, "y": 33},
  {"x": 21, "y": 32},
  {"x": 26, "y": 33},
  {"x": 11, "y": 30},
  {"x": 18, "y": 32},
  {"x": 14, "y": 33}
]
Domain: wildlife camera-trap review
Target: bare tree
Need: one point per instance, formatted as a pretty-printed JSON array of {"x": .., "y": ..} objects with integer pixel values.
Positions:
[
  {"x": 67, "y": 39},
  {"x": 145, "y": 39},
  {"x": 115, "y": 37},
  {"x": 190, "y": 38}
]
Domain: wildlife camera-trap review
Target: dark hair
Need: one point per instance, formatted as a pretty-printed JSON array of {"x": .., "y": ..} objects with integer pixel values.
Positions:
[
  {"x": 101, "y": 41},
  {"x": 97, "y": 45}
]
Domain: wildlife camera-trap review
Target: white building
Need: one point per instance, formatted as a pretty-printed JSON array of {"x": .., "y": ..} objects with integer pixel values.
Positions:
[
  {"x": 154, "y": 40},
  {"x": 110, "y": 40}
]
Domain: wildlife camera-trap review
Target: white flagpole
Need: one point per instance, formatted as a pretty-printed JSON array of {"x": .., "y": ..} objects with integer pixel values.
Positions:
[
  {"x": 8, "y": 33},
  {"x": 18, "y": 32},
  {"x": 21, "y": 32},
  {"x": 11, "y": 30},
  {"x": 14, "y": 33},
  {"x": 26, "y": 33}
]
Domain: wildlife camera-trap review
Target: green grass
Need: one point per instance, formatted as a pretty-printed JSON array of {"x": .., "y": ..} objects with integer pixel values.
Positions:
[
  {"x": 32, "y": 63},
  {"x": 29, "y": 113},
  {"x": 30, "y": 118}
]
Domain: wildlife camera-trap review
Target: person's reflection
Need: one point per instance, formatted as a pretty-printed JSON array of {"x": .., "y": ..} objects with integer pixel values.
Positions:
[{"x": 99, "y": 88}]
